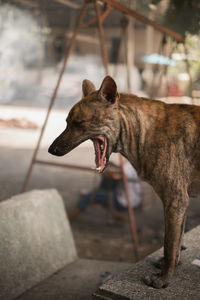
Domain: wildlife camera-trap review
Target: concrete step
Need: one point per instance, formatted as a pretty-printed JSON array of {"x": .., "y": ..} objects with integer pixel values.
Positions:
[{"x": 185, "y": 284}]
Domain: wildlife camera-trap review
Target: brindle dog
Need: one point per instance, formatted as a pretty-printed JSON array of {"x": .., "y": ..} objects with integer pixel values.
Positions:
[{"x": 162, "y": 142}]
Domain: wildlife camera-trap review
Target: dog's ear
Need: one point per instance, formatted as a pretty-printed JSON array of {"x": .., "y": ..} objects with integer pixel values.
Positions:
[
  {"x": 108, "y": 90},
  {"x": 87, "y": 88}
]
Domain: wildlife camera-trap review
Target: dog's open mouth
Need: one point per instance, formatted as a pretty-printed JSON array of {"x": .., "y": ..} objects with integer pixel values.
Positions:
[{"x": 100, "y": 147}]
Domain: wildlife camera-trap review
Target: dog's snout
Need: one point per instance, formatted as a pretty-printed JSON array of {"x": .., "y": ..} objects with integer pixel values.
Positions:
[{"x": 53, "y": 149}]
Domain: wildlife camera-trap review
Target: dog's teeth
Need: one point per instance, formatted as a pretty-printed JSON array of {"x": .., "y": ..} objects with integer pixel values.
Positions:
[{"x": 97, "y": 169}]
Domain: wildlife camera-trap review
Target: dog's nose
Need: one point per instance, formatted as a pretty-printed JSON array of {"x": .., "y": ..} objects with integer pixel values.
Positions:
[{"x": 54, "y": 150}]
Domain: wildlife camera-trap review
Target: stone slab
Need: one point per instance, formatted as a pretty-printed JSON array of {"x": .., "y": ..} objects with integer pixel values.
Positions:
[
  {"x": 185, "y": 284},
  {"x": 35, "y": 240}
]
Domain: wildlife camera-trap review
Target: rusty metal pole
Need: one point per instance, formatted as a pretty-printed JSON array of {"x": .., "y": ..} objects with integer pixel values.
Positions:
[
  {"x": 130, "y": 210},
  {"x": 101, "y": 37},
  {"x": 188, "y": 70},
  {"x": 79, "y": 22},
  {"x": 130, "y": 45}
]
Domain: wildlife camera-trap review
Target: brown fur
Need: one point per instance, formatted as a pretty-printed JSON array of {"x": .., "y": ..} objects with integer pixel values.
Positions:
[{"x": 162, "y": 142}]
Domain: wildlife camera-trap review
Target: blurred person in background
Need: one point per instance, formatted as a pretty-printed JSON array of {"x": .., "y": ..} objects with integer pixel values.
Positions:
[{"x": 110, "y": 193}]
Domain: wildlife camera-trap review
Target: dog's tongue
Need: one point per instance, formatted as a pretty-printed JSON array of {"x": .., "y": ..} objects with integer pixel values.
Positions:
[{"x": 100, "y": 153}]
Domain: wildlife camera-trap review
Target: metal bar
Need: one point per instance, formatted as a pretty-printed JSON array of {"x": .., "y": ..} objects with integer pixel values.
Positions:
[
  {"x": 69, "y": 3},
  {"x": 156, "y": 68},
  {"x": 105, "y": 13},
  {"x": 101, "y": 37},
  {"x": 127, "y": 52},
  {"x": 86, "y": 25},
  {"x": 84, "y": 38},
  {"x": 131, "y": 41},
  {"x": 82, "y": 13},
  {"x": 121, "y": 47},
  {"x": 29, "y": 3},
  {"x": 143, "y": 19},
  {"x": 188, "y": 70},
  {"x": 68, "y": 166},
  {"x": 130, "y": 210},
  {"x": 103, "y": 17}
]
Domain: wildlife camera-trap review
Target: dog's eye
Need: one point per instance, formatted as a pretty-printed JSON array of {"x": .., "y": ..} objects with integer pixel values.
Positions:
[{"x": 78, "y": 122}]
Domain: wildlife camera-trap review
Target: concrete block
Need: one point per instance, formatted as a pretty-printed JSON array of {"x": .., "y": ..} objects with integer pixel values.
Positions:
[
  {"x": 185, "y": 284},
  {"x": 35, "y": 240}
]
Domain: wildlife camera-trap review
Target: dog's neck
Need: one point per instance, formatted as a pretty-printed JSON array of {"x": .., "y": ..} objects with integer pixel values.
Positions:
[
  {"x": 129, "y": 136},
  {"x": 135, "y": 122}
]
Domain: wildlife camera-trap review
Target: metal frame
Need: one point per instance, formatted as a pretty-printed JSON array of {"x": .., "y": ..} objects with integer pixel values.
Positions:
[
  {"x": 99, "y": 18},
  {"x": 132, "y": 13}
]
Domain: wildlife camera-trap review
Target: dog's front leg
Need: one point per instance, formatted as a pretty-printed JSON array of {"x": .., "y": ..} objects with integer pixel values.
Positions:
[
  {"x": 161, "y": 262},
  {"x": 174, "y": 210}
]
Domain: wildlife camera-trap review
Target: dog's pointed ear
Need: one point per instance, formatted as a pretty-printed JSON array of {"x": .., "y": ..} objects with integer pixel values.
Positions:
[
  {"x": 108, "y": 90},
  {"x": 87, "y": 88}
]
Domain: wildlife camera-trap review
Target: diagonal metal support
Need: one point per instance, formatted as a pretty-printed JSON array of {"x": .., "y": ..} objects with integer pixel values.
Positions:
[
  {"x": 133, "y": 13},
  {"x": 103, "y": 17}
]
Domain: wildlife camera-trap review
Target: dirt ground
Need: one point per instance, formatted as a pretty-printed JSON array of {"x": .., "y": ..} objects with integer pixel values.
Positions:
[{"x": 96, "y": 235}]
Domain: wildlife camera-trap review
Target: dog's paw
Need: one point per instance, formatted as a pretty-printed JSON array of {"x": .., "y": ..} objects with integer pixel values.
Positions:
[{"x": 156, "y": 280}]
